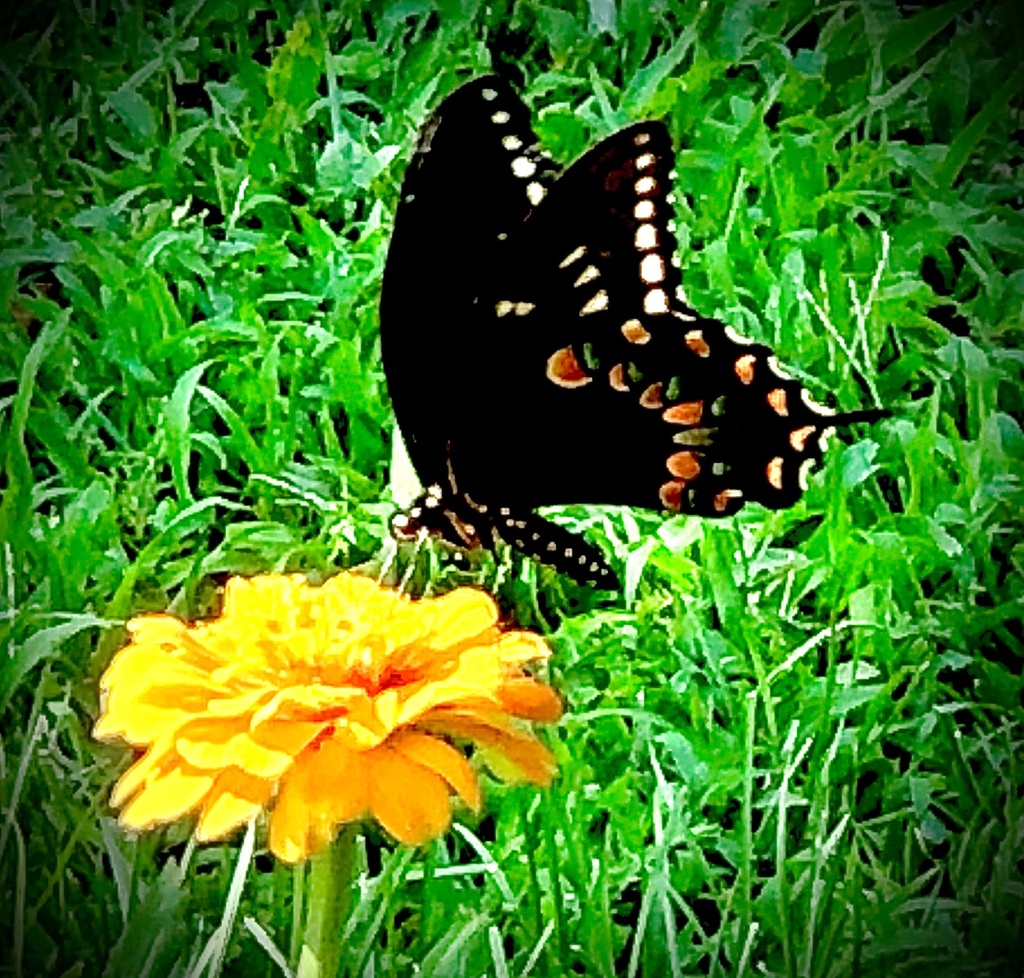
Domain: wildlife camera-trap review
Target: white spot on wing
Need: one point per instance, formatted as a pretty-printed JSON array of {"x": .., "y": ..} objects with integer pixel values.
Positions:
[
  {"x": 512, "y": 143},
  {"x": 587, "y": 275},
  {"x": 641, "y": 139},
  {"x": 523, "y": 308},
  {"x": 645, "y": 186},
  {"x": 806, "y": 466},
  {"x": 500, "y": 118},
  {"x": 646, "y": 237},
  {"x": 572, "y": 256},
  {"x": 773, "y": 363},
  {"x": 644, "y": 211},
  {"x": 535, "y": 192},
  {"x": 655, "y": 302},
  {"x": 596, "y": 303},
  {"x": 645, "y": 161},
  {"x": 523, "y": 167},
  {"x": 813, "y": 405},
  {"x": 652, "y": 269},
  {"x": 737, "y": 338},
  {"x": 503, "y": 307}
]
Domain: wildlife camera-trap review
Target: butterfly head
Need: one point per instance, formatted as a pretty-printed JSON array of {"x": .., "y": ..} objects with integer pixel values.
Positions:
[{"x": 433, "y": 515}]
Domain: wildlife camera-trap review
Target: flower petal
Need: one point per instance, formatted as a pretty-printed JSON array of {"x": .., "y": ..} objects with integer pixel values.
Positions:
[
  {"x": 234, "y": 799},
  {"x": 410, "y": 801},
  {"x": 211, "y": 745},
  {"x": 461, "y": 615},
  {"x": 241, "y": 705},
  {"x": 289, "y": 736},
  {"x": 143, "y": 665},
  {"x": 442, "y": 759},
  {"x": 328, "y": 785},
  {"x": 138, "y": 723},
  {"x": 317, "y": 702},
  {"x": 477, "y": 675},
  {"x": 268, "y": 596},
  {"x": 141, "y": 771},
  {"x": 518, "y": 648},
  {"x": 531, "y": 700},
  {"x": 167, "y": 797},
  {"x": 511, "y": 754}
]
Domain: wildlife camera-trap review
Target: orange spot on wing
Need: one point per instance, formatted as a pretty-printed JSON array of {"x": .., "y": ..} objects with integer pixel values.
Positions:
[
  {"x": 798, "y": 438},
  {"x": 671, "y": 495},
  {"x": 696, "y": 342},
  {"x": 617, "y": 378},
  {"x": 689, "y": 412},
  {"x": 565, "y": 370},
  {"x": 777, "y": 400},
  {"x": 651, "y": 397},
  {"x": 723, "y": 499},
  {"x": 774, "y": 472},
  {"x": 683, "y": 465},
  {"x": 634, "y": 331},
  {"x": 744, "y": 368}
]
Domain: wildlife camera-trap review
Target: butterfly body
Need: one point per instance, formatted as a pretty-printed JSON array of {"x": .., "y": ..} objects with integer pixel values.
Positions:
[{"x": 538, "y": 352}]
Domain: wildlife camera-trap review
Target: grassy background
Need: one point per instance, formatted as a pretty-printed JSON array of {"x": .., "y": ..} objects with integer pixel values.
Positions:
[{"x": 793, "y": 742}]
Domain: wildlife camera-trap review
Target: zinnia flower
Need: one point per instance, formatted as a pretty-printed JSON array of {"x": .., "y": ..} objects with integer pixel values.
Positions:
[{"x": 333, "y": 703}]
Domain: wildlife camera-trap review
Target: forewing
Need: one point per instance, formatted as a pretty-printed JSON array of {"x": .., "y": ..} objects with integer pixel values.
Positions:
[{"x": 467, "y": 188}]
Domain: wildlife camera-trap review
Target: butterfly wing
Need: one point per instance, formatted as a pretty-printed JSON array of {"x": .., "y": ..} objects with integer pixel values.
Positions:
[
  {"x": 464, "y": 192},
  {"x": 537, "y": 351},
  {"x": 594, "y": 382}
]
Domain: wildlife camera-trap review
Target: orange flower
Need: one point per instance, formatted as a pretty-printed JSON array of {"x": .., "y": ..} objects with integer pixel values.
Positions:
[{"x": 335, "y": 703}]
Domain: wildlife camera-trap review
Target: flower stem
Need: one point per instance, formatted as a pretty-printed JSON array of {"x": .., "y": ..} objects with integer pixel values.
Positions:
[{"x": 329, "y": 900}]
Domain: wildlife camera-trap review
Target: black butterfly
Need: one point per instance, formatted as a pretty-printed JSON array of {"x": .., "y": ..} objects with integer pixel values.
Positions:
[{"x": 537, "y": 353}]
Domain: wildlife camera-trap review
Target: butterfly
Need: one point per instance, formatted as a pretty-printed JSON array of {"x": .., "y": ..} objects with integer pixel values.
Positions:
[{"x": 538, "y": 350}]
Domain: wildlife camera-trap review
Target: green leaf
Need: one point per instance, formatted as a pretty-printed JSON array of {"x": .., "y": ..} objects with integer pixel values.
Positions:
[
  {"x": 154, "y": 934},
  {"x": 857, "y": 462},
  {"x": 17, "y": 496},
  {"x": 134, "y": 111},
  {"x": 178, "y": 425},
  {"x": 39, "y": 646},
  {"x": 961, "y": 148}
]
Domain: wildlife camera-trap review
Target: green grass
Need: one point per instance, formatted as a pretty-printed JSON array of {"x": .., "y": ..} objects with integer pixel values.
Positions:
[{"x": 792, "y": 744}]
